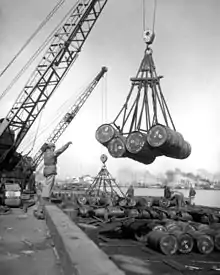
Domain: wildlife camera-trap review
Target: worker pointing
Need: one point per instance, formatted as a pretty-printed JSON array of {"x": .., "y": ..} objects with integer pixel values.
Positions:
[{"x": 50, "y": 172}]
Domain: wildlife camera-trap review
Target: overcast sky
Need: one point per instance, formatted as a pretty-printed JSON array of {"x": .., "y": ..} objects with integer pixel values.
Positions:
[{"x": 186, "y": 53}]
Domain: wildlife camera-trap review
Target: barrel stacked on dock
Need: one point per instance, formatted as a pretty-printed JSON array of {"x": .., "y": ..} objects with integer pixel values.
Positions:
[
  {"x": 171, "y": 237},
  {"x": 161, "y": 227},
  {"x": 144, "y": 147}
]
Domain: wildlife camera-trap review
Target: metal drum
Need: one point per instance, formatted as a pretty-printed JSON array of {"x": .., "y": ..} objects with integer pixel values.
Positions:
[
  {"x": 163, "y": 242},
  {"x": 169, "y": 142},
  {"x": 116, "y": 147},
  {"x": 105, "y": 133}
]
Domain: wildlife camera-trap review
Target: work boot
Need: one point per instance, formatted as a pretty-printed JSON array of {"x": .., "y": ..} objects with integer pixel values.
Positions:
[{"x": 39, "y": 214}]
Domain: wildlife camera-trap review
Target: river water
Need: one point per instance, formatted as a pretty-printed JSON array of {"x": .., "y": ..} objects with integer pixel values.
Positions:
[{"x": 203, "y": 197}]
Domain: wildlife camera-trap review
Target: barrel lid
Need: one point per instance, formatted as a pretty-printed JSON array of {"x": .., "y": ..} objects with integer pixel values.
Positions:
[
  {"x": 116, "y": 147},
  {"x": 157, "y": 135},
  {"x": 105, "y": 133}
]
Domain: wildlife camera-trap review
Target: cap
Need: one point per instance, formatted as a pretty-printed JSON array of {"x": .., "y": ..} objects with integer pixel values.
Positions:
[{"x": 50, "y": 144}]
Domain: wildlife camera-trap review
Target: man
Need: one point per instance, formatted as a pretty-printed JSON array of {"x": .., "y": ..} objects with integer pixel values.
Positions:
[
  {"x": 130, "y": 192},
  {"x": 192, "y": 194},
  {"x": 50, "y": 172},
  {"x": 178, "y": 197},
  {"x": 167, "y": 192},
  {"x": 175, "y": 196}
]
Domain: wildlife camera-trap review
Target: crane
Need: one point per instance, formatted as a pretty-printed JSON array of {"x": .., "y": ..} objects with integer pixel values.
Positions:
[
  {"x": 61, "y": 54},
  {"x": 69, "y": 116}
]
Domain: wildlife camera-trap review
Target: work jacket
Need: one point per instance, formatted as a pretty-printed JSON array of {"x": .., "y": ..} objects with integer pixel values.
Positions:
[{"x": 50, "y": 160}]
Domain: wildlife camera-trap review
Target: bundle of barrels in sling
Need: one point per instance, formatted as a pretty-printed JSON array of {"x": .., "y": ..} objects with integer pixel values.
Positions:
[{"x": 160, "y": 140}]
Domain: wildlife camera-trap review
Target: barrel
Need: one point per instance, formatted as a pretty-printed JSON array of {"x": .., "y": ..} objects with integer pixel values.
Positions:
[
  {"x": 185, "y": 226},
  {"x": 168, "y": 141},
  {"x": 131, "y": 202},
  {"x": 217, "y": 241},
  {"x": 116, "y": 147},
  {"x": 204, "y": 219},
  {"x": 163, "y": 242},
  {"x": 155, "y": 226},
  {"x": 148, "y": 159},
  {"x": 132, "y": 212},
  {"x": 115, "y": 212},
  {"x": 136, "y": 143},
  {"x": 123, "y": 202},
  {"x": 184, "y": 240},
  {"x": 185, "y": 150},
  {"x": 163, "y": 202},
  {"x": 105, "y": 201},
  {"x": 147, "y": 201},
  {"x": 203, "y": 242},
  {"x": 171, "y": 214},
  {"x": 84, "y": 212},
  {"x": 144, "y": 214},
  {"x": 100, "y": 212},
  {"x": 105, "y": 133},
  {"x": 171, "y": 226},
  {"x": 186, "y": 216},
  {"x": 154, "y": 214},
  {"x": 92, "y": 200},
  {"x": 82, "y": 200},
  {"x": 200, "y": 226}
]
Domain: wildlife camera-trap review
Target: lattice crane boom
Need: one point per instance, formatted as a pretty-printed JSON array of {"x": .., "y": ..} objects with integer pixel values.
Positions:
[
  {"x": 70, "y": 115},
  {"x": 61, "y": 54}
]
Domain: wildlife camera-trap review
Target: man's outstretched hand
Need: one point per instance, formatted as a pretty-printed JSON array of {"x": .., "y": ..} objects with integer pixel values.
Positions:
[{"x": 69, "y": 143}]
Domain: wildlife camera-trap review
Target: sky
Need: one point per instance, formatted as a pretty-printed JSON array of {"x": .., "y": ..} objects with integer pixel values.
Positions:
[{"x": 186, "y": 53}]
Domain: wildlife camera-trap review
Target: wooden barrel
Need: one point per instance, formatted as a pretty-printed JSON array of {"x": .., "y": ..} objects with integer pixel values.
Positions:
[
  {"x": 116, "y": 147},
  {"x": 170, "y": 142},
  {"x": 203, "y": 242},
  {"x": 136, "y": 143},
  {"x": 163, "y": 242},
  {"x": 105, "y": 133},
  {"x": 184, "y": 240}
]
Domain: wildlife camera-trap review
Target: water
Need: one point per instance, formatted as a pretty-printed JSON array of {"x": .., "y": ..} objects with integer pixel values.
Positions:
[{"x": 203, "y": 197}]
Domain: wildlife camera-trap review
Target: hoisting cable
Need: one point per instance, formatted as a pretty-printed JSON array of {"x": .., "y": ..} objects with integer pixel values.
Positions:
[
  {"x": 34, "y": 56},
  {"x": 144, "y": 15},
  {"x": 154, "y": 14},
  {"x": 48, "y": 17}
]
